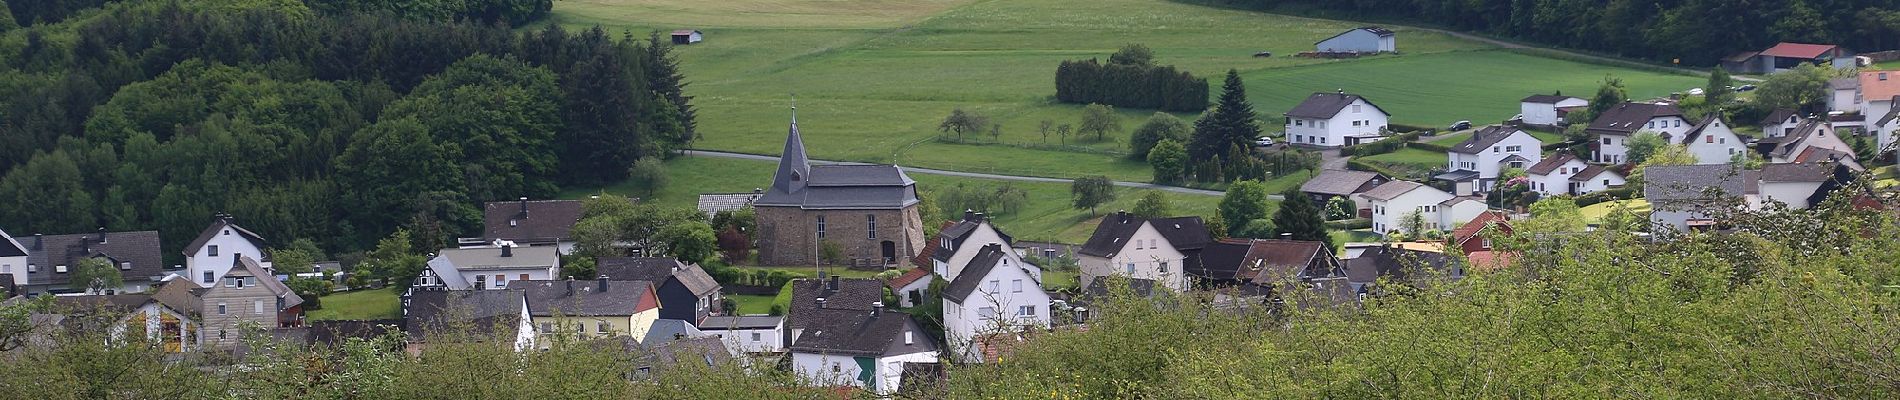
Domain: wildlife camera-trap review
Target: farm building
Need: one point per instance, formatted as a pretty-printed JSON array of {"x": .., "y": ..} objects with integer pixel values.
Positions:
[
  {"x": 687, "y": 36},
  {"x": 1548, "y": 109},
  {"x": 1786, "y": 56},
  {"x": 1367, "y": 39}
]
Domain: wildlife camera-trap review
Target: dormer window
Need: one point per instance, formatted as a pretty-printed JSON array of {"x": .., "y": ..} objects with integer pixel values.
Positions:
[
  {"x": 30, "y": 268},
  {"x": 514, "y": 222},
  {"x": 125, "y": 266},
  {"x": 59, "y": 269}
]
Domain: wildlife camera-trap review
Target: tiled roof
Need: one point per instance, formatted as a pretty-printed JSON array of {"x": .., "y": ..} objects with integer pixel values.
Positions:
[
  {"x": 719, "y": 322},
  {"x": 929, "y": 252},
  {"x": 979, "y": 268},
  {"x": 1545, "y": 98},
  {"x": 485, "y": 311},
  {"x": 490, "y": 258},
  {"x": 859, "y": 333},
  {"x": 1798, "y": 50},
  {"x": 714, "y": 203},
  {"x": 907, "y": 278},
  {"x": 1338, "y": 182},
  {"x": 960, "y": 230},
  {"x": 1391, "y": 190},
  {"x": 1689, "y": 182},
  {"x": 852, "y": 294},
  {"x": 218, "y": 223},
  {"x": 1550, "y": 164},
  {"x": 141, "y": 248},
  {"x": 1325, "y": 105},
  {"x": 657, "y": 270},
  {"x": 1590, "y": 172},
  {"x": 1628, "y": 118},
  {"x": 1874, "y": 88},
  {"x": 1471, "y": 228},
  {"x": 1797, "y": 172},
  {"x": 667, "y": 330},
  {"x": 1394, "y": 262},
  {"x": 1695, "y": 132},
  {"x": 1183, "y": 233},
  {"x": 1269, "y": 261},
  {"x": 1777, "y": 117},
  {"x": 522, "y": 221},
  {"x": 1098, "y": 287},
  {"x": 586, "y": 297},
  {"x": 10, "y": 247},
  {"x": 1891, "y": 114}
]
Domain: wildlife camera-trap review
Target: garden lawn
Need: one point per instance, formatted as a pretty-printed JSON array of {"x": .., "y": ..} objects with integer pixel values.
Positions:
[
  {"x": 752, "y": 304},
  {"x": 1596, "y": 212},
  {"x": 364, "y": 304},
  {"x": 1412, "y": 157},
  {"x": 1460, "y": 137}
]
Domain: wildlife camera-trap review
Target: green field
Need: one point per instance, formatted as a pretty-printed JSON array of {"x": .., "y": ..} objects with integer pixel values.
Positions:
[
  {"x": 1596, "y": 212},
  {"x": 752, "y": 304},
  {"x": 874, "y": 78},
  {"x": 359, "y": 305},
  {"x": 1460, "y": 137}
]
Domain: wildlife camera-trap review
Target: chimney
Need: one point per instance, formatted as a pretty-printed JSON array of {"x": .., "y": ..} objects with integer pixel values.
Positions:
[
  {"x": 968, "y": 214},
  {"x": 102, "y": 235},
  {"x": 39, "y": 239},
  {"x": 979, "y": 217},
  {"x": 832, "y": 285},
  {"x": 821, "y": 303},
  {"x": 603, "y": 284},
  {"x": 507, "y": 250},
  {"x": 524, "y": 207},
  {"x": 1286, "y": 236},
  {"x": 877, "y": 307}
]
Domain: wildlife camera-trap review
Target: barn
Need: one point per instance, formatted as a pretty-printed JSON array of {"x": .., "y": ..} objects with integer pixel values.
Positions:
[
  {"x": 688, "y": 36},
  {"x": 1365, "y": 39}
]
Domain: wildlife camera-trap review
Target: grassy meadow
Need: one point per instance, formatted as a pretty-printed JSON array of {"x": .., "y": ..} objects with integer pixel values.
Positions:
[{"x": 363, "y": 304}]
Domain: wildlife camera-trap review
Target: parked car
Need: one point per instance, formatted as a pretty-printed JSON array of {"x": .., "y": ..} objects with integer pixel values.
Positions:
[
  {"x": 1263, "y": 54},
  {"x": 1745, "y": 88},
  {"x": 1460, "y": 125},
  {"x": 1263, "y": 141}
]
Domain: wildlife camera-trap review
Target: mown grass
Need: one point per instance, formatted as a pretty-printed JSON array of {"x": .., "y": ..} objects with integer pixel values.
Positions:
[
  {"x": 752, "y": 304},
  {"x": 1460, "y": 137},
  {"x": 359, "y": 305},
  {"x": 1596, "y": 212}
]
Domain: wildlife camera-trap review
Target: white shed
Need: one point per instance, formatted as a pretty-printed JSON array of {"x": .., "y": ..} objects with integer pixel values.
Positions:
[
  {"x": 1366, "y": 39},
  {"x": 1547, "y": 109}
]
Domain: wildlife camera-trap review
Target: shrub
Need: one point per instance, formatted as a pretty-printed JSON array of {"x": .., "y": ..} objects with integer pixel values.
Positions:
[{"x": 1350, "y": 224}]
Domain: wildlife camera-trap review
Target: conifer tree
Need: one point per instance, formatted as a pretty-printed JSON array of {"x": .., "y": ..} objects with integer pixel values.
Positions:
[
  {"x": 1300, "y": 217},
  {"x": 1230, "y": 124}
]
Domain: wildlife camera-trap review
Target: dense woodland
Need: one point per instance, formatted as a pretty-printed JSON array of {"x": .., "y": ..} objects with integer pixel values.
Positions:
[
  {"x": 336, "y": 121},
  {"x": 1698, "y": 32}
]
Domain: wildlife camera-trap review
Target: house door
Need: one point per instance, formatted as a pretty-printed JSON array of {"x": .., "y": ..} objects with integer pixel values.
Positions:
[{"x": 889, "y": 251}]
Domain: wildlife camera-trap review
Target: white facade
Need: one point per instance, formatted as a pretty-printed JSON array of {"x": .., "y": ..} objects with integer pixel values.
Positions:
[
  {"x": 1490, "y": 161},
  {"x": 491, "y": 273},
  {"x": 1546, "y": 113},
  {"x": 1782, "y": 127},
  {"x": 1885, "y": 134},
  {"x": 1389, "y": 215},
  {"x": 1844, "y": 99},
  {"x": 1716, "y": 144},
  {"x": 919, "y": 286},
  {"x": 15, "y": 265},
  {"x": 1557, "y": 182},
  {"x": 1359, "y": 120},
  {"x": 1614, "y": 149},
  {"x": 750, "y": 340},
  {"x": 843, "y": 370},
  {"x": 1820, "y": 135},
  {"x": 1874, "y": 110},
  {"x": 1005, "y": 300},
  {"x": 1604, "y": 180},
  {"x": 984, "y": 234},
  {"x": 1457, "y": 213},
  {"x": 1794, "y": 194},
  {"x": 1358, "y": 40},
  {"x": 1147, "y": 255},
  {"x": 212, "y": 260}
]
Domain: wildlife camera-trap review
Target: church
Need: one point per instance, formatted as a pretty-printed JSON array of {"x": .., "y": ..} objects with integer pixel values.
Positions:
[{"x": 869, "y": 212}]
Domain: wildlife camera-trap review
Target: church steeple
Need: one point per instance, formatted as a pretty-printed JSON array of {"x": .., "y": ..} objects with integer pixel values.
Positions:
[{"x": 793, "y": 168}]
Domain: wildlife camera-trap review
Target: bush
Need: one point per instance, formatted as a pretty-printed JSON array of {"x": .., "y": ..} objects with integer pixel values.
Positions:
[
  {"x": 1387, "y": 145},
  {"x": 1130, "y": 85},
  {"x": 1411, "y": 128},
  {"x": 1428, "y": 146},
  {"x": 1350, "y": 224}
]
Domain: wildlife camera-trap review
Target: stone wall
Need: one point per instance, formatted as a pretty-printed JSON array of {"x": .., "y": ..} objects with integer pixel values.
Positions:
[{"x": 789, "y": 235}]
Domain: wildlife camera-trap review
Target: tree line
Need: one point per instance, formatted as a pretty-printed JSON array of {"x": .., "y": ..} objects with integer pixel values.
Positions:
[
  {"x": 1698, "y": 32},
  {"x": 338, "y": 126},
  {"x": 1130, "y": 79}
]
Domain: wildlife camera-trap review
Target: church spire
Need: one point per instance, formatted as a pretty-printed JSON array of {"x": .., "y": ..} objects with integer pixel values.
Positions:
[{"x": 793, "y": 168}]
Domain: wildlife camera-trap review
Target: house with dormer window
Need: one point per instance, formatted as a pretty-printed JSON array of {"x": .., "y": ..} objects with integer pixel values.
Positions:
[
  {"x": 1475, "y": 164},
  {"x": 217, "y": 248},
  {"x": 1154, "y": 249},
  {"x": 996, "y": 292},
  {"x": 1612, "y": 130},
  {"x": 1334, "y": 120}
]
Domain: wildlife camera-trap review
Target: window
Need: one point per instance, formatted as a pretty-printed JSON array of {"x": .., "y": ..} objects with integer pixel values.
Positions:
[
  {"x": 1731, "y": 151},
  {"x": 603, "y": 327},
  {"x": 1322, "y": 140},
  {"x": 257, "y": 307},
  {"x": 220, "y": 309},
  {"x": 755, "y": 336},
  {"x": 1517, "y": 164},
  {"x": 1513, "y": 149},
  {"x": 1299, "y": 122},
  {"x": 1131, "y": 268},
  {"x": 870, "y": 226},
  {"x": 1678, "y": 124},
  {"x": 501, "y": 280},
  {"x": 59, "y": 269},
  {"x": 230, "y": 281},
  {"x": 909, "y": 337},
  {"x": 1322, "y": 124},
  {"x": 1708, "y": 139},
  {"x": 834, "y": 367},
  {"x": 1606, "y": 140},
  {"x": 995, "y": 286},
  {"x": 35, "y": 268},
  {"x": 1651, "y": 124},
  {"x": 227, "y": 232},
  {"x": 1016, "y": 285},
  {"x": 986, "y": 312},
  {"x": 524, "y": 277},
  {"x": 1606, "y": 182},
  {"x": 207, "y": 277},
  {"x": 547, "y": 327},
  {"x": 1164, "y": 267},
  {"x": 1486, "y": 243},
  {"x": 1494, "y": 149},
  {"x": 211, "y": 250},
  {"x": 481, "y": 281},
  {"x": 1355, "y": 123},
  {"x": 1026, "y": 311},
  {"x": 821, "y": 227}
]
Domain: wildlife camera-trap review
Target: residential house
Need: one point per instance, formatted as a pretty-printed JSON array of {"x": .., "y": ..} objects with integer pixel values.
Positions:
[
  {"x": 868, "y": 211},
  {"x": 811, "y": 296},
  {"x": 1786, "y": 55},
  {"x": 1365, "y": 39},
  {"x": 911, "y": 287},
  {"x": 217, "y": 248},
  {"x": 121, "y": 317},
  {"x": 490, "y": 268},
  {"x": 531, "y": 223},
  {"x": 1843, "y": 95},
  {"x": 1155, "y": 249},
  {"x": 1712, "y": 142},
  {"x": 592, "y": 308},
  {"x": 960, "y": 242},
  {"x": 654, "y": 358},
  {"x": 754, "y": 334},
  {"x": 1473, "y": 239},
  {"x": 667, "y": 330},
  {"x": 862, "y": 348},
  {"x": 1334, "y": 120},
  {"x": 481, "y": 314},
  {"x": 1596, "y": 178},
  {"x": 1813, "y": 141},
  {"x": 1551, "y": 176},
  {"x": 1878, "y": 92},
  {"x": 1885, "y": 128},
  {"x": 1374, "y": 261},
  {"x": 1613, "y": 129},
  {"x": 12, "y": 261},
  {"x": 1780, "y": 122},
  {"x": 1799, "y": 186},
  {"x": 1336, "y": 183},
  {"x": 51, "y": 260},
  {"x": 1395, "y": 202},
  {"x": 1247, "y": 267},
  {"x": 1548, "y": 109},
  {"x": 686, "y": 292},
  {"x": 713, "y": 203},
  {"x": 1488, "y": 152},
  {"x": 995, "y": 293},
  {"x": 1691, "y": 197},
  {"x": 247, "y": 299}
]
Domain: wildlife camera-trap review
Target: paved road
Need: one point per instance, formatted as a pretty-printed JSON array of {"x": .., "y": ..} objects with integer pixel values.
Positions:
[{"x": 1139, "y": 185}]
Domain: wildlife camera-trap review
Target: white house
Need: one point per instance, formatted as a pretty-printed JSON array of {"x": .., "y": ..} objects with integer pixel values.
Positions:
[
  {"x": 1843, "y": 94},
  {"x": 688, "y": 36},
  {"x": 1595, "y": 178},
  {"x": 1712, "y": 142},
  {"x": 1679, "y": 194},
  {"x": 1814, "y": 141},
  {"x": 996, "y": 293},
  {"x": 1884, "y": 129},
  {"x": 490, "y": 267},
  {"x": 1780, "y": 122},
  {"x": 911, "y": 287},
  {"x": 218, "y": 247},
  {"x": 1335, "y": 119},
  {"x": 1613, "y": 129},
  {"x": 1551, "y": 177},
  {"x": 868, "y": 349},
  {"x": 12, "y": 259},
  {"x": 1877, "y": 92},
  {"x": 753, "y": 334},
  {"x": 1365, "y": 39},
  {"x": 961, "y": 241},
  {"x": 1395, "y": 201},
  {"x": 1548, "y": 109},
  {"x": 1491, "y": 150},
  {"x": 1143, "y": 248}
]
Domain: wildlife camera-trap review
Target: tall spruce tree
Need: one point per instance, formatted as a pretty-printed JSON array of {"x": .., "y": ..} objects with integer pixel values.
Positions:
[
  {"x": 1717, "y": 92},
  {"x": 1230, "y": 124},
  {"x": 1300, "y": 217}
]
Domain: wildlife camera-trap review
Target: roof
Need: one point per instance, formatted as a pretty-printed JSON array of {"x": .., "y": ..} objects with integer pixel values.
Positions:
[
  {"x": 857, "y": 332},
  {"x": 1627, "y": 118},
  {"x": 1382, "y": 32},
  {"x": 978, "y": 270},
  {"x": 1391, "y": 190},
  {"x": 929, "y": 251},
  {"x": 1741, "y": 56},
  {"x": 668, "y": 353},
  {"x": 741, "y": 322},
  {"x": 1796, "y": 172},
  {"x": 180, "y": 294},
  {"x": 1696, "y": 131},
  {"x": 1546, "y": 99},
  {"x": 685, "y": 31},
  {"x": 1457, "y": 199},
  {"x": 852, "y": 294},
  {"x": 1475, "y": 225},
  {"x": 1325, "y": 105},
  {"x": 249, "y": 266},
  {"x": 1798, "y": 50},
  {"x": 141, "y": 248},
  {"x": 657, "y": 270},
  {"x": 482, "y": 310},
  {"x": 10, "y": 247},
  {"x": 586, "y": 298},
  {"x": 334, "y": 333},
  {"x": 1139, "y": 287},
  {"x": 1395, "y": 262},
  {"x": 907, "y": 278},
  {"x": 218, "y": 223},
  {"x": 1891, "y": 114},
  {"x": 961, "y": 230},
  {"x": 490, "y": 258},
  {"x": 1462, "y": 175},
  {"x": 713, "y": 203},
  {"x": 1843, "y": 83},
  {"x": 116, "y": 304},
  {"x": 1550, "y": 164},
  {"x": 1807, "y": 129},
  {"x": 1183, "y": 233},
  {"x": 1777, "y": 117},
  {"x": 1873, "y": 88},
  {"x": 667, "y": 330},
  {"x": 1269, "y": 261},
  {"x": 523, "y": 221},
  {"x": 1817, "y": 154},
  {"x": 1689, "y": 182},
  {"x": 1591, "y": 172},
  {"x": 1339, "y": 182}
]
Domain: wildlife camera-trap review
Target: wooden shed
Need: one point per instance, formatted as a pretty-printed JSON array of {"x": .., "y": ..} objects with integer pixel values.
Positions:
[{"x": 687, "y": 36}]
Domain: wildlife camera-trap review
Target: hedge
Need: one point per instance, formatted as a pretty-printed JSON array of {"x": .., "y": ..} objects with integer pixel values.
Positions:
[
  {"x": 1622, "y": 193},
  {"x": 1360, "y": 165},
  {"x": 1350, "y": 224},
  {"x": 1387, "y": 145},
  {"x": 1429, "y": 146}
]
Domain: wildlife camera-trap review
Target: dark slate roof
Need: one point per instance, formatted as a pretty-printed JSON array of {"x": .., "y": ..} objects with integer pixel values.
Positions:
[
  {"x": 1777, "y": 117},
  {"x": 1269, "y": 261},
  {"x": 1184, "y": 233},
  {"x": 666, "y": 330},
  {"x": 960, "y": 230},
  {"x": 852, "y": 294},
  {"x": 1545, "y": 98},
  {"x": 523, "y": 221},
  {"x": 1695, "y": 132},
  {"x": 218, "y": 223},
  {"x": 1797, "y": 172},
  {"x": 1688, "y": 182},
  {"x": 1391, "y": 190},
  {"x": 484, "y": 311},
  {"x": 669, "y": 353},
  {"x": 858, "y": 333},
  {"x": 1891, "y": 114},
  {"x": 1451, "y": 176},
  {"x": 657, "y": 270},
  {"x": 584, "y": 297},
  {"x": 9, "y": 247},
  {"x": 1550, "y": 164},
  {"x": 117, "y": 304},
  {"x": 835, "y": 175},
  {"x": 1394, "y": 262},
  {"x": 798, "y": 183},
  {"x": 1220, "y": 261},
  {"x": 1484, "y": 138},
  {"x": 973, "y": 274},
  {"x": 1382, "y": 32},
  {"x": 139, "y": 248},
  {"x": 1590, "y": 172},
  {"x": 1628, "y": 118},
  {"x": 1338, "y": 182},
  {"x": 720, "y": 322},
  {"x": 1326, "y": 105},
  {"x": 1139, "y": 287}
]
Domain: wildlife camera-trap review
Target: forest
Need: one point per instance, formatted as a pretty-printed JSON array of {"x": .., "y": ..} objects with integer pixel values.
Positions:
[
  {"x": 337, "y": 121},
  {"x": 1697, "y": 32}
]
